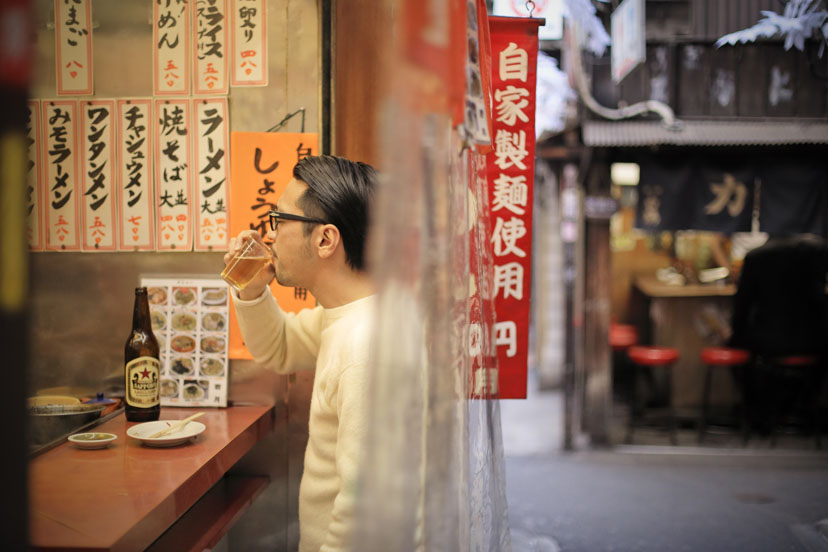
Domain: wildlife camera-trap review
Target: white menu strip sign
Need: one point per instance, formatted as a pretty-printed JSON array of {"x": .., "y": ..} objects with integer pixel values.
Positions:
[
  {"x": 73, "y": 47},
  {"x": 60, "y": 154},
  {"x": 136, "y": 222},
  {"x": 211, "y": 173},
  {"x": 173, "y": 183},
  {"x": 171, "y": 41},
  {"x": 34, "y": 180},
  {"x": 210, "y": 39},
  {"x": 248, "y": 36},
  {"x": 99, "y": 188}
]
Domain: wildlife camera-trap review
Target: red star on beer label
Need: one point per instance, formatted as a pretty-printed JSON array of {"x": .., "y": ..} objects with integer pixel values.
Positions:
[{"x": 145, "y": 374}]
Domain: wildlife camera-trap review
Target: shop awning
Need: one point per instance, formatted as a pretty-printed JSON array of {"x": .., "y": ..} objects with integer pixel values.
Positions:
[{"x": 704, "y": 133}]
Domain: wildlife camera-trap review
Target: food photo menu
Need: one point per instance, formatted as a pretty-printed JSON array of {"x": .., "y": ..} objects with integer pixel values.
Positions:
[{"x": 190, "y": 320}]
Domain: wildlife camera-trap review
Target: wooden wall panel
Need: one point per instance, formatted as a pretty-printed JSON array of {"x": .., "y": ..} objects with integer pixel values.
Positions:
[
  {"x": 634, "y": 87},
  {"x": 362, "y": 37},
  {"x": 748, "y": 80},
  {"x": 780, "y": 88},
  {"x": 751, "y": 78},
  {"x": 693, "y": 68},
  {"x": 722, "y": 87},
  {"x": 711, "y": 19},
  {"x": 811, "y": 91},
  {"x": 661, "y": 80}
]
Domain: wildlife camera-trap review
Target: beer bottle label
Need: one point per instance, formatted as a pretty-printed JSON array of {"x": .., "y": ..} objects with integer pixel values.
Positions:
[{"x": 142, "y": 382}]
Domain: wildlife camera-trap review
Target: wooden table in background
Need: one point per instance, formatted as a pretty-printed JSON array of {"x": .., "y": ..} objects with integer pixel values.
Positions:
[
  {"x": 668, "y": 317},
  {"x": 131, "y": 497}
]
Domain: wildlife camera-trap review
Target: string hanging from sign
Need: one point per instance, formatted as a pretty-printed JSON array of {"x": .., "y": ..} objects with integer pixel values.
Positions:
[{"x": 287, "y": 118}]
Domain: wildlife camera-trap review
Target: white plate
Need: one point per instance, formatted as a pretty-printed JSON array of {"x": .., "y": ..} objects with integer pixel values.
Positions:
[
  {"x": 92, "y": 440},
  {"x": 143, "y": 431}
]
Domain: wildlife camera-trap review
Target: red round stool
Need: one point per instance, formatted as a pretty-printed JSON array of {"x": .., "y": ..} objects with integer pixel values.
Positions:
[
  {"x": 804, "y": 368},
  {"x": 653, "y": 357},
  {"x": 622, "y": 336},
  {"x": 723, "y": 357}
]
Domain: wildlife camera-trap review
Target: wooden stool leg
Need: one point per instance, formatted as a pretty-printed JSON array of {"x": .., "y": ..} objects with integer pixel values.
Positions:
[
  {"x": 670, "y": 409},
  {"x": 813, "y": 386},
  {"x": 775, "y": 400},
  {"x": 705, "y": 402},
  {"x": 744, "y": 406},
  {"x": 633, "y": 403}
]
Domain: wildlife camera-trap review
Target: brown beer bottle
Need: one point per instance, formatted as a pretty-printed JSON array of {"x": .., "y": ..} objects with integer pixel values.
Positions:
[{"x": 142, "y": 365}]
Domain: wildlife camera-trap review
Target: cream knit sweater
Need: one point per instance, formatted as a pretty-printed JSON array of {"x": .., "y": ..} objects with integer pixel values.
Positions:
[{"x": 336, "y": 343}]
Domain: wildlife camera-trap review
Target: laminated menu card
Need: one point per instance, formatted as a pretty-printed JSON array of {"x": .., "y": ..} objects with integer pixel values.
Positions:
[{"x": 189, "y": 319}]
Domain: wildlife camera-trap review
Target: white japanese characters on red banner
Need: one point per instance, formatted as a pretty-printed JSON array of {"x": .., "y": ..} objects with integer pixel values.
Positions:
[
  {"x": 171, "y": 38},
  {"x": 98, "y": 167},
  {"x": 34, "y": 169},
  {"x": 511, "y": 172},
  {"x": 211, "y": 189},
  {"x": 62, "y": 177},
  {"x": 248, "y": 36},
  {"x": 173, "y": 182},
  {"x": 136, "y": 223},
  {"x": 73, "y": 46},
  {"x": 210, "y": 39}
]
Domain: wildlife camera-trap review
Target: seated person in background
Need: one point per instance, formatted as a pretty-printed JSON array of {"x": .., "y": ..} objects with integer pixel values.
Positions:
[
  {"x": 780, "y": 309},
  {"x": 780, "y": 305}
]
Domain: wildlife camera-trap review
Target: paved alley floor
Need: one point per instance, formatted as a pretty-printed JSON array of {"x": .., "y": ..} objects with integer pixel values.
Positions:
[{"x": 655, "y": 498}]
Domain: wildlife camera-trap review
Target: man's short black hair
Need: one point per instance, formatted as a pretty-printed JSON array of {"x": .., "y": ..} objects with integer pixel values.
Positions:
[{"x": 340, "y": 191}]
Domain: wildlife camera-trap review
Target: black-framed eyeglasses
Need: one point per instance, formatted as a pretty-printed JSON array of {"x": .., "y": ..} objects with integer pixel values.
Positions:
[{"x": 276, "y": 216}]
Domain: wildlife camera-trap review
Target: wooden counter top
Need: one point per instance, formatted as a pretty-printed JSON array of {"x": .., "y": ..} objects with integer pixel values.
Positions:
[
  {"x": 652, "y": 287},
  {"x": 125, "y": 496}
]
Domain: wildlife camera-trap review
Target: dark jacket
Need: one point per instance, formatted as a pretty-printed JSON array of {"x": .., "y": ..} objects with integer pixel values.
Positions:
[{"x": 780, "y": 306}]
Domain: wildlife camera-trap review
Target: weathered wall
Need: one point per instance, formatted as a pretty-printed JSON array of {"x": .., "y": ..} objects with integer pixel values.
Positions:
[{"x": 82, "y": 302}]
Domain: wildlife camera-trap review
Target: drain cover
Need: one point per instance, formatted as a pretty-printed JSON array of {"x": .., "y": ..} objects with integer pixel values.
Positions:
[{"x": 754, "y": 498}]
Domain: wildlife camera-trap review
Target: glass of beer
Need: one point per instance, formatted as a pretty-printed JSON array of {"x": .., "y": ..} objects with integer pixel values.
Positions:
[{"x": 249, "y": 261}]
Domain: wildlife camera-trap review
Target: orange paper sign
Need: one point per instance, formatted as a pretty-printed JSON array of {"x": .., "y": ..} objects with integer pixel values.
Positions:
[{"x": 261, "y": 165}]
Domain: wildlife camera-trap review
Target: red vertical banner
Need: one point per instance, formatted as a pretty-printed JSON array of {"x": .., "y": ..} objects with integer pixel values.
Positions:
[
  {"x": 510, "y": 177},
  {"x": 483, "y": 374},
  {"x": 434, "y": 40}
]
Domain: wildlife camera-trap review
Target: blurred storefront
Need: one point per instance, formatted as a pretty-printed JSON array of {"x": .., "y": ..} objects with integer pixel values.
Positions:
[{"x": 734, "y": 152}]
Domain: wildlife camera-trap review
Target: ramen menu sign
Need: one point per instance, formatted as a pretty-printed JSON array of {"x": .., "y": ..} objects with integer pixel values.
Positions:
[{"x": 190, "y": 321}]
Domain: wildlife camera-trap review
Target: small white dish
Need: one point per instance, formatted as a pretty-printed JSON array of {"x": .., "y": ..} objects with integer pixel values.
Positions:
[
  {"x": 92, "y": 440},
  {"x": 143, "y": 431}
]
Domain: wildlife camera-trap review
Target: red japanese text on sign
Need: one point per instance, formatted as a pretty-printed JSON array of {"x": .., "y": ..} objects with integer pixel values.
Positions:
[
  {"x": 173, "y": 181},
  {"x": 212, "y": 223},
  {"x": 73, "y": 45},
  {"x": 248, "y": 38},
  {"x": 34, "y": 182},
  {"x": 136, "y": 222},
  {"x": 98, "y": 167},
  {"x": 210, "y": 39},
  {"x": 171, "y": 38},
  {"x": 511, "y": 173},
  {"x": 60, "y": 140}
]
